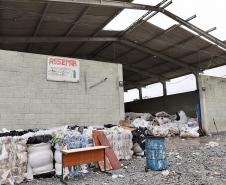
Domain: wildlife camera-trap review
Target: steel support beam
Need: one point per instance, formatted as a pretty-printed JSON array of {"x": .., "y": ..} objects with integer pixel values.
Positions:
[
  {"x": 193, "y": 37},
  {"x": 131, "y": 27},
  {"x": 128, "y": 5},
  {"x": 138, "y": 84},
  {"x": 143, "y": 73},
  {"x": 145, "y": 17},
  {"x": 13, "y": 39},
  {"x": 194, "y": 28},
  {"x": 71, "y": 29},
  {"x": 95, "y": 3},
  {"x": 164, "y": 57},
  {"x": 156, "y": 36},
  {"x": 97, "y": 31},
  {"x": 37, "y": 28}
]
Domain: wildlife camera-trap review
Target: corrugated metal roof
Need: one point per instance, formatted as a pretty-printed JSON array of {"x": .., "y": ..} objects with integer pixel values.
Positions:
[{"x": 23, "y": 19}]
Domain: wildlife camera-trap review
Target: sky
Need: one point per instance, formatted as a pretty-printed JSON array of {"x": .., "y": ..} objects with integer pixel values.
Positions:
[{"x": 209, "y": 14}]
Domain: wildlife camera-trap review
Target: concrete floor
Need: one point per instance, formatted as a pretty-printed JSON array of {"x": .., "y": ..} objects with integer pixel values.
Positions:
[{"x": 191, "y": 161}]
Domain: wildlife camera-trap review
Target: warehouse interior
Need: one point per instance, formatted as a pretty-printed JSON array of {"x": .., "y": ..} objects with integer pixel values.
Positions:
[
  {"x": 63, "y": 75},
  {"x": 148, "y": 53}
]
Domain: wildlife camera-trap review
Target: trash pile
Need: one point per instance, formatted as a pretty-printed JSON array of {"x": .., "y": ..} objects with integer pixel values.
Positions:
[
  {"x": 165, "y": 125},
  {"x": 36, "y": 153}
]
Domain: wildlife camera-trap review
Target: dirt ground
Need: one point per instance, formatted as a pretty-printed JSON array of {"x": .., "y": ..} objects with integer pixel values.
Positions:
[{"x": 190, "y": 162}]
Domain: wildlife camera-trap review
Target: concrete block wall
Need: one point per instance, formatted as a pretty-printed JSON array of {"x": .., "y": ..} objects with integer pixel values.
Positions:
[
  {"x": 213, "y": 103},
  {"x": 171, "y": 104},
  {"x": 28, "y": 100}
]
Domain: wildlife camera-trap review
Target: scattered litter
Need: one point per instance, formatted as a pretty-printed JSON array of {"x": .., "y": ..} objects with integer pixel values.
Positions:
[
  {"x": 165, "y": 172},
  {"x": 165, "y": 125},
  {"x": 114, "y": 176},
  {"x": 196, "y": 153},
  {"x": 121, "y": 176},
  {"x": 212, "y": 144},
  {"x": 216, "y": 174},
  {"x": 178, "y": 157}
]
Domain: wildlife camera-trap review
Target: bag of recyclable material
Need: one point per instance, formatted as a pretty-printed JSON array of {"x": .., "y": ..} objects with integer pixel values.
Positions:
[
  {"x": 139, "y": 122},
  {"x": 43, "y": 169},
  {"x": 132, "y": 116},
  {"x": 183, "y": 117},
  {"x": 189, "y": 132},
  {"x": 40, "y": 158}
]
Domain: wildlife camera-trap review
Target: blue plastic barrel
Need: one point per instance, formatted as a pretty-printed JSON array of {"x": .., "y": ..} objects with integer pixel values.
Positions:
[{"x": 155, "y": 153}]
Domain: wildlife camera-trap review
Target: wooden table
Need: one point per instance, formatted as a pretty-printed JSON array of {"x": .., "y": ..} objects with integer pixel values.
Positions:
[{"x": 80, "y": 156}]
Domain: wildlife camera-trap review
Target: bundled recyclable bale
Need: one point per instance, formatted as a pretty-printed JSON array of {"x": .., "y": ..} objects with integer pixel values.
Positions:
[
  {"x": 121, "y": 142},
  {"x": 6, "y": 157},
  {"x": 13, "y": 160},
  {"x": 71, "y": 139}
]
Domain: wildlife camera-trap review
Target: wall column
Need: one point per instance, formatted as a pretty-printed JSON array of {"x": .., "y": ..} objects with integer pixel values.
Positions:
[
  {"x": 197, "y": 80},
  {"x": 164, "y": 89},
  {"x": 140, "y": 93}
]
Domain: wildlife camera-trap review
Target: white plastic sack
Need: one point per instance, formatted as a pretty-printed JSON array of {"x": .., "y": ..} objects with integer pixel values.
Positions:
[
  {"x": 40, "y": 158},
  {"x": 163, "y": 120},
  {"x": 189, "y": 132},
  {"x": 58, "y": 156},
  {"x": 139, "y": 122},
  {"x": 58, "y": 168},
  {"x": 137, "y": 149},
  {"x": 183, "y": 117},
  {"x": 39, "y": 147},
  {"x": 43, "y": 169}
]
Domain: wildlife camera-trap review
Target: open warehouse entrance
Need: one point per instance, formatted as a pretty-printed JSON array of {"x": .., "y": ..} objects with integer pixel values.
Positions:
[
  {"x": 63, "y": 74},
  {"x": 77, "y": 29}
]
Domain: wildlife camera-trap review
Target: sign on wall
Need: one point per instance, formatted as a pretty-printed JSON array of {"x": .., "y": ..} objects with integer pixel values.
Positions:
[{"x": 62, "y": 69}]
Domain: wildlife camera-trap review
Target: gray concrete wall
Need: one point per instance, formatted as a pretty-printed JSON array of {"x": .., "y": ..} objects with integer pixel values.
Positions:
[
  {"x": 213, "y": 103},
  {"x": 28, "y": 100},
  {"x": 170, "y": 104}
]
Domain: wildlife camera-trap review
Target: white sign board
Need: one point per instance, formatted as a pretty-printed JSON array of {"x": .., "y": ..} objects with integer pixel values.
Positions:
[{"x": 62, "y": 69}]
